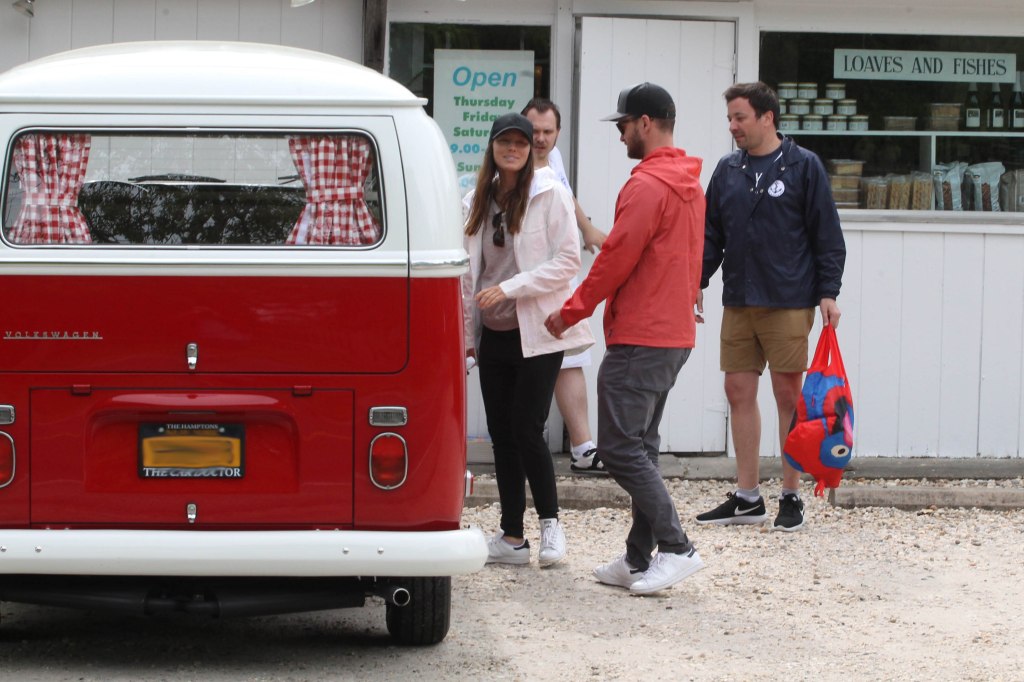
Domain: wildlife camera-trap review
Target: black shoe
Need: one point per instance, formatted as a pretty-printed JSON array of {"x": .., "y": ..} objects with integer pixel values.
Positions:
[
  {"x": 791, "y": 514},
  {"x": 588, "y": 463},
  {"x": 734, "y": 511}
]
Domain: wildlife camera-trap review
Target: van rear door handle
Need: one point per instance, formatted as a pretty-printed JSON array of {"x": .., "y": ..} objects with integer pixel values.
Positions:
[{"x": 192, "y": 355}]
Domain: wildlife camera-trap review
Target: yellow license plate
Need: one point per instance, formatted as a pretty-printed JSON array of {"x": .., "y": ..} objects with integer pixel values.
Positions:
[{"x": 193, "y": 450}]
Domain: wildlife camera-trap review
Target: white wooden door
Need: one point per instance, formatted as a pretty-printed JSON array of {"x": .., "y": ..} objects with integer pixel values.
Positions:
[{"x": 694, "y": 61}]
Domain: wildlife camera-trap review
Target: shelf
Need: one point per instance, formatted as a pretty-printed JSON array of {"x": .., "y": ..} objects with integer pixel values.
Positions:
[
  {"x": 904, "y": 151},
  {"x": 901, "y": 133}
]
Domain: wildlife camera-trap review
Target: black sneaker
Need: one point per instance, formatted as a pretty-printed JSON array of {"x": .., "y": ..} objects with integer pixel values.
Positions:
[
  {"x": 791, "y": 514},
  {"x": 734, "y": 511},
  {"x": 588, "y": 463}
]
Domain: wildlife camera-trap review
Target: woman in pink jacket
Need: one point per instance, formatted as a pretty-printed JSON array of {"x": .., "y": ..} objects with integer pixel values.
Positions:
[{"x": 523, "y": 249}]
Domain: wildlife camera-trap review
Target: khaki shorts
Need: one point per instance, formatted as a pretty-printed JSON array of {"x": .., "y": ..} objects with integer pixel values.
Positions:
[{"x": 752, "y": 337}]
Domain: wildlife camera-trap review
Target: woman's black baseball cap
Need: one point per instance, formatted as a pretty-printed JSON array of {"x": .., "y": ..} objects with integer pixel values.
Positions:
[{"x": 512, "y": 121}]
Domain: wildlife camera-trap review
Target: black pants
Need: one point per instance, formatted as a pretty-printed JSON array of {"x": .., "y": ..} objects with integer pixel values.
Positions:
[{"x": 517, "y": 397}]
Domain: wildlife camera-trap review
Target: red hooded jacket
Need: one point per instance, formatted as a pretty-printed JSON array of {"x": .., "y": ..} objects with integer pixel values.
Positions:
[{"x": 649, "y": 267}]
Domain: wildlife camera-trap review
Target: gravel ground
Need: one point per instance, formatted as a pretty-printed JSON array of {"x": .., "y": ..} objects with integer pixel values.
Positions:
[
  {"x": 863, "y": 594},
  {"x": 858, "y": 594}
]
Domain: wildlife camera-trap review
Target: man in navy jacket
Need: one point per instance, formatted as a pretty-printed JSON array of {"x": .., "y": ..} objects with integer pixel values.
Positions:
[{"x": 772, "y": 225}]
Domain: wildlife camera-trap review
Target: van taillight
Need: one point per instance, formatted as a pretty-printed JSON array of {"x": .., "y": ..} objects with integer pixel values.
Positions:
[
  {"x": 389, "y": 461},
  {"x": 6, "y": 459}
]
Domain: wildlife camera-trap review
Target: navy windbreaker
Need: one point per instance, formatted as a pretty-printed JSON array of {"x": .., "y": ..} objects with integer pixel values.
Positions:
[{"x": 781, "y": 242}]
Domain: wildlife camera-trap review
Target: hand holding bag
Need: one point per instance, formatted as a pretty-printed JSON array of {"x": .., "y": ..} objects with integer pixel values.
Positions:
[{"x": 820, "y": 440}]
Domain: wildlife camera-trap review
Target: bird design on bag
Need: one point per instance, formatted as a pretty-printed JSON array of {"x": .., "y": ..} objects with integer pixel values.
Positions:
[{"x": 820, "y": 440}]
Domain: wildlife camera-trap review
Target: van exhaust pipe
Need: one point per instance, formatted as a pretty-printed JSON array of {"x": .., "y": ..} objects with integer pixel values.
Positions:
[{"x": 396, "y": 595}]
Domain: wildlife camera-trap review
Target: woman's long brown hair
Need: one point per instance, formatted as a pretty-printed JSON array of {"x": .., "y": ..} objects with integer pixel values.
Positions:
[{"x": 514, "y": 203}]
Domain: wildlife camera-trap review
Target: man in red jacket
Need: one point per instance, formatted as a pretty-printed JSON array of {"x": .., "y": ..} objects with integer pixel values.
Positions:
[{"x": 649, "y": 272}]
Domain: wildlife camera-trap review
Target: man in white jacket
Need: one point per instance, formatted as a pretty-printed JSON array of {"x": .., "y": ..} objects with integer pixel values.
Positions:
[{"x": 571, "y": 386}]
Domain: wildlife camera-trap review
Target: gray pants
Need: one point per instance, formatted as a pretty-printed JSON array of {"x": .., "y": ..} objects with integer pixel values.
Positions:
[{"x": 632, "y": 386}]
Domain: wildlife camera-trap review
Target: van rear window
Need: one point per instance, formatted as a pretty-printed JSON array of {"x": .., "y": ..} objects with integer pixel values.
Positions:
[{"x": 186, "y": 188}]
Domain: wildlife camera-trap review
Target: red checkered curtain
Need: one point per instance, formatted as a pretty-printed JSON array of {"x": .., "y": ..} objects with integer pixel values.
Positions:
[
  {"x": 51, "y": 170},
  {"x": 333, "y": 170}
]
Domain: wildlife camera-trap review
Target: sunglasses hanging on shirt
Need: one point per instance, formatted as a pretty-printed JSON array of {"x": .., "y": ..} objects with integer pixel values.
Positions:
[{"x": 498, "y": 223}]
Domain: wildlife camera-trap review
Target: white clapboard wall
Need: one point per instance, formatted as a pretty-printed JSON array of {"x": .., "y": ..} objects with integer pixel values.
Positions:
[
  {"x": 932, "y": 336},
  {"x": 331, "y": 26}
]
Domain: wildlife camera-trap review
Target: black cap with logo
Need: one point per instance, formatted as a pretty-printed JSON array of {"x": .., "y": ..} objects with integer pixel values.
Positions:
[{"x": 645, "y": 99}]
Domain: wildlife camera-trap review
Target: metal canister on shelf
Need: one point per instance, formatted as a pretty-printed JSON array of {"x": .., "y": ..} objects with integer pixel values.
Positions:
[
  {"x": 787, "y": 90},
  {"x": 858, "y": 122},
  {"x": 836, "y": 122},
  {"x": 789, "y": 122},
  {"x": 835, "y": 90},
  {"x": 807, "y": 90},
  {"x": 824, "y": 107},
  {"x": 846, "y": 107},
  {"x": 799, "y": 106},
  {"x": 812, "y": 122}
]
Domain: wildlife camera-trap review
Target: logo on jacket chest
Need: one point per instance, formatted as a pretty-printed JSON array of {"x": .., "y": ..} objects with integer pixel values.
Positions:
[{"x": 777, "y": 189}]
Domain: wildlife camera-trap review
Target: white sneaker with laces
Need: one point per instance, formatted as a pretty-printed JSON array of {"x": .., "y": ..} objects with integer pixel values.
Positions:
[
  {"x": 618, "y": 572},
  {"x": 501, "y": 552},
  {"x": 666, "y": 570},
  {"x": 552, "y": 542}
]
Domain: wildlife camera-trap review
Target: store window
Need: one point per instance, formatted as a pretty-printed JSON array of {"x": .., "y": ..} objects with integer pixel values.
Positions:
[
  {"x": 906, "y": 122},
  {"x": 411, "y": 51},
  {"x": 470, "y": 75}
]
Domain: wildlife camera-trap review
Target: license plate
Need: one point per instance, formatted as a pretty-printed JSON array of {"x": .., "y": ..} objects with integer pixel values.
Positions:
[{"x": 193, "y": 450}]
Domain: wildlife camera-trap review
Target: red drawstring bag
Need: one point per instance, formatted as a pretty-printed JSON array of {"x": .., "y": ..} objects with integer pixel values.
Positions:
[{"x": 820, "y": 440}]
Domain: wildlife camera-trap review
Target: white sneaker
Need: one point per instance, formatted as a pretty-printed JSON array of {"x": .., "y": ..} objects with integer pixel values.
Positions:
[
  {"x": 618, "y": 572},
  {"x": 501, "y": 552},
  {"x": 666, "y": 570},
  {"x": 552, "y": 542}
]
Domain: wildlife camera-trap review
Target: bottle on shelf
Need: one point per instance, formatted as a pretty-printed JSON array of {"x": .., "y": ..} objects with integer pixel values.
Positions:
[
  {"x": 972, "y": 108},
  {"x": 996, "y": 111},
  {"x": 1015, "y": 110}
]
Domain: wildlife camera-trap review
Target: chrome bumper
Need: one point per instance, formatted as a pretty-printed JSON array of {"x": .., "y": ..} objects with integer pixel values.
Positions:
[{"x": 336, "y": 553}]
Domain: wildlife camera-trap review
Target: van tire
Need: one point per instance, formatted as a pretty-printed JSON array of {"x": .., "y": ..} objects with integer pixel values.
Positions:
[{"x": 425, "y": 619}]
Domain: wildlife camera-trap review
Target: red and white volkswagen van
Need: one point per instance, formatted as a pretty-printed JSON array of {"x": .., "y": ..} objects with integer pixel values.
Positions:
[{"x": 232, "y": 373}]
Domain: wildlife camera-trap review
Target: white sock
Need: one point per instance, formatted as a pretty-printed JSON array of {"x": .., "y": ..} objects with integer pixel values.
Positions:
[
  {"x": 752, "y": 495},
  {"x": 578, "y": 450}
]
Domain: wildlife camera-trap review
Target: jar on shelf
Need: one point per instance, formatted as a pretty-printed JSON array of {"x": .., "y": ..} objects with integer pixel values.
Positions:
[
  {"x": 835, "y": 90},
  {"x": 812, "y": 122},
  {"x": 782, "y": 106},
  {"x": 789, "y": 122},
  {"x": 858, "y": 122},
  {"x": 836, "y": 122},
  {"x": 846, "y": 107},
  {"x": 823, "y": 107},
  {"x": 807, "y": 90},
  {"x": 799, "y": 106},
  {"x": 787, "y": 91}
]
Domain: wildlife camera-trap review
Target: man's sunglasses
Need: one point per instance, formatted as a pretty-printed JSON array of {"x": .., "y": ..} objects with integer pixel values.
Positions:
[{"x": 621, "y": 124}]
